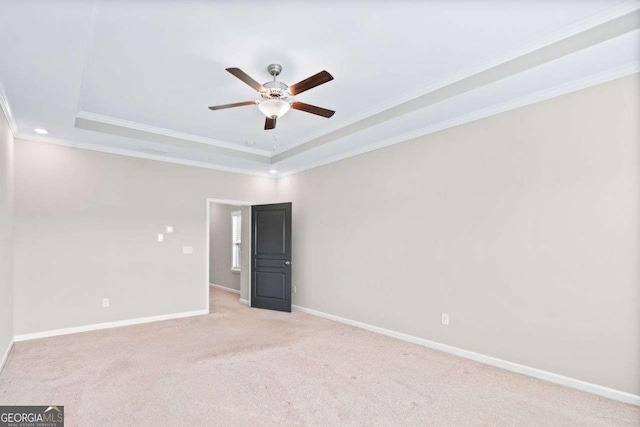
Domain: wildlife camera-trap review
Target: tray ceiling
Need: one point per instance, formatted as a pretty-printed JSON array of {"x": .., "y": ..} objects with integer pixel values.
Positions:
[{"x": 136, "y": 77}]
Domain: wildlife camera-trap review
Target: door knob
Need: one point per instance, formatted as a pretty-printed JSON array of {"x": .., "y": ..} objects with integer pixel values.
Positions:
[{"x": 287, "y": 263}]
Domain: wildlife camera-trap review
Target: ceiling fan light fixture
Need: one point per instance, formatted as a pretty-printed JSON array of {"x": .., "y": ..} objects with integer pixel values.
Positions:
[{"x": 274, "y": 107}]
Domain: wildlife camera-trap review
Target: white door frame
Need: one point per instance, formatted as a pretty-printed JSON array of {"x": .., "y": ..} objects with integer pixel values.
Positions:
[{"x": 223, "y": 202}]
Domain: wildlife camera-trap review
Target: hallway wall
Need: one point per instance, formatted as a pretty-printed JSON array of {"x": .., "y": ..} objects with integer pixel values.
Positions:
[{"x": 220, "y": 256}]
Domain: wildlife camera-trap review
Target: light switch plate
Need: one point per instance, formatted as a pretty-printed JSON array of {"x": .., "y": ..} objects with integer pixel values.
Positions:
[
  {"x": 169, "y": 229},
  {"x": 187, "y": 249}
]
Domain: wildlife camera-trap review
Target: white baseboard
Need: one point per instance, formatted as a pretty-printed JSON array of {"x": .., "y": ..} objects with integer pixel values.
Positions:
[
  {"x": 6, "y": 354},
  {"x": 224, "y": 288},
  {"x": 244, "y": 301},
  {"x": 610, "y": 393},
  {"x": 97, "y": 326}
]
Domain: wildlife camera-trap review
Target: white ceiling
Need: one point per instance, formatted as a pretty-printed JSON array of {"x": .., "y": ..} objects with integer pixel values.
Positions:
[{"x": 156, "y": 66}]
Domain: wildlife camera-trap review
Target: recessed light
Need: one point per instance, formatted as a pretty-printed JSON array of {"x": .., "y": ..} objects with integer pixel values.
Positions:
[
  {"x": 273, "y": 171},
  {"x": 41, "y": 131}
]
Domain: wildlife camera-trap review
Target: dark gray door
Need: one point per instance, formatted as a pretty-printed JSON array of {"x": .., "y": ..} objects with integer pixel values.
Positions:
[{"x": 271, "y": 256}]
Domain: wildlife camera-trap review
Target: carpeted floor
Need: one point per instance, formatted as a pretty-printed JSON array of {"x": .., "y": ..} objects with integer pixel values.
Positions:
[{"x": 240, "y": 366}]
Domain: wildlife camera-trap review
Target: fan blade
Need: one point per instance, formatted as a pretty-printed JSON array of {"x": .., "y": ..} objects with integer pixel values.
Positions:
[
  {"x": 313, "y": 81},
  {"x": 269, "y": 124},
  {"x": 245, "y": 78},
  {"x": 318, "y": 111},
  {"x": 237, "y": 104}
]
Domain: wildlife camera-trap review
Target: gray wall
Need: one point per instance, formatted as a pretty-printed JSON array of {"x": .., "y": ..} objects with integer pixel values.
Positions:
[
  {"x": 523, "y": 227},
  {"x": 86, "y": 226},
  {"x": 220, "y": 246},
  {"x": 6, "y": 234}
]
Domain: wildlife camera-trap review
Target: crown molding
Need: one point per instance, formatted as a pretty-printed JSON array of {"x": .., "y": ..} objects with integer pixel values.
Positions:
[
  {"x": 493, "y": 110},
  {"x": 543, "y": 95},
  {"x": 13, "y": 126},
  {"x": 573, "y": 29},
  {"x": 100, "y": 118},
  {"x": 6, "y": 108},
  {"x": 133, "y": 153}
]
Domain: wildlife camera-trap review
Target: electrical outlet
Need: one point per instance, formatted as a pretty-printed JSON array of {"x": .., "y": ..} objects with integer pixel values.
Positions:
[
  {"x": 445, "y": 319},
  {"x": 188, "y": 250},
  {"x": 295, "y": 289},
  {"x": 169, "y": 229},
  {"x": 105, "y": 302},
  {"x": 160, "y": 238}
]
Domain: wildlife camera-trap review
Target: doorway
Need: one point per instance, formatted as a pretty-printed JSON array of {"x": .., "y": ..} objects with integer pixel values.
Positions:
[
  {"x": 228, "y": 249},
  {"x": 249, "y": 252}
]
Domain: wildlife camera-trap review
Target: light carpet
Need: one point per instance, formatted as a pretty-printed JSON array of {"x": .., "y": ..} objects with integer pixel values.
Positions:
[{"x": 240, "y": 366}]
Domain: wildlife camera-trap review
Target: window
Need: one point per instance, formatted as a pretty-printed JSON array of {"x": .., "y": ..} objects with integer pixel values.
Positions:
[{"x": 236, "y": 239}]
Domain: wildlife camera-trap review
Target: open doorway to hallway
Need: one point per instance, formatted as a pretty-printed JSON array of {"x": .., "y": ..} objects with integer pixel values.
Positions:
[{"x": 229, "y": 235}]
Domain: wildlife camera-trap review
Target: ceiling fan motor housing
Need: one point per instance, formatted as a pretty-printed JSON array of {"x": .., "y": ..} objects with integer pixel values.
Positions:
[{"x": 275, "y": 90}]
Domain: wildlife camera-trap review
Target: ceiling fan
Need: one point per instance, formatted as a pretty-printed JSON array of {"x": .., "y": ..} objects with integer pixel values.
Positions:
[{"x": 277, "y": 97}]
